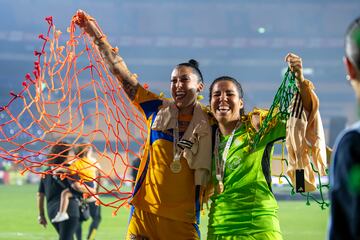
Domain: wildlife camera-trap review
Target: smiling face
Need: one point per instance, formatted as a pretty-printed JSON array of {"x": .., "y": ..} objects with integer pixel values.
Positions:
[
  {"x": 185, "y": 87},
  {"x": 225, "y": 101}
]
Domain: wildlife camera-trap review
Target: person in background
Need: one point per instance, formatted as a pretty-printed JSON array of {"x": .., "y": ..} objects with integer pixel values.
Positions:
[
  {"x": 50, "y": 189},
  {"x": 80, "y": 169},
  {"x": 95, "y": 209},
  {"x": 345, "y": 166},
  {"x": 5, "y": 167}
]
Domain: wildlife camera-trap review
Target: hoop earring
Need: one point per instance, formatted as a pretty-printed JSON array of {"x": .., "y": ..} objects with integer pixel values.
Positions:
[{"x": 348, "y": 77}]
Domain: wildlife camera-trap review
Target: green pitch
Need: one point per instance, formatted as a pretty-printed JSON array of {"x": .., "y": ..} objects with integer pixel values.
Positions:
[{"x": 19, "y": 219}]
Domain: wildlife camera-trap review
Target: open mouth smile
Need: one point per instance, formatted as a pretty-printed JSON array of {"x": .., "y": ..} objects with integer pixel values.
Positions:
[
  {"x": 223, "y": 109},
  {"x": 180, "y": 95}
]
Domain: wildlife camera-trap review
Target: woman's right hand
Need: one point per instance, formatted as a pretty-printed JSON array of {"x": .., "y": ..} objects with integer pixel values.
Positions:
[
  {"x": 88, "y": 23},
  {"x": 295, "y": 65},
  {"x": 113, "y": 60}
]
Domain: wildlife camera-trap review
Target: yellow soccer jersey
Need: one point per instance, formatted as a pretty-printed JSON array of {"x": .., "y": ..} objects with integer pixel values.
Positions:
[
  {"x": 84, "y": 168},
  {"x": 158, "y": 190}
]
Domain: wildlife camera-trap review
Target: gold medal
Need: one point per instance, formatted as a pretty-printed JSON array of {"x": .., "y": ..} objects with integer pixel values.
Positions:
[
  {"x": 175, "y": 166},
  {"x": 220, "y": 187}
]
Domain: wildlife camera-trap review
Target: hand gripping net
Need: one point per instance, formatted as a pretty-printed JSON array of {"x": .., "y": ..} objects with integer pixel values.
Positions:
[
  {"x": 279, "y": 110},
  {"x": 71, "y": 96}
]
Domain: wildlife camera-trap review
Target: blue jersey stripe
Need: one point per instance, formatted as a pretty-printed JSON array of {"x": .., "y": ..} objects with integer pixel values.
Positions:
[
  {"x": 151, "y": 107},
  {"x": 197, "y": 230},
  {"x": 142, "y": 177},
  {"x": 197, "y": 203},
  {"x": 155, "y": 135},
  {"x": 132, "y": 210}
]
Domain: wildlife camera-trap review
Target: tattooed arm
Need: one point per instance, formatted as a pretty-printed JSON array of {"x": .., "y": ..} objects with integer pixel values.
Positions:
[{"x": 114, "y": 62}]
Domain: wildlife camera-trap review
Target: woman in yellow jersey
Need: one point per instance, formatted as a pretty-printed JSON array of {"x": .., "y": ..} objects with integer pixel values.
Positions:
[
  {"x": 177, "y": 158},
  {"x": 243, "y": 206}
]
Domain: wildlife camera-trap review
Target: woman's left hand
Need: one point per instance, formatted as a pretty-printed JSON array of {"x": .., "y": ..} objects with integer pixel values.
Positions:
[{"x": 295, "y": 65}]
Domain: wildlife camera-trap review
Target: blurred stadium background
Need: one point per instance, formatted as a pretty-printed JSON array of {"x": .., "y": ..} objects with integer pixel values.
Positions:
[{"x": 246, "y": 39}]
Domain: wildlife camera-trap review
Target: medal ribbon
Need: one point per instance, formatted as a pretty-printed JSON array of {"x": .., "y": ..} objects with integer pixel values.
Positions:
[
  {"x": 220, "y": 164},
  {"x": 177, "y": 153}
]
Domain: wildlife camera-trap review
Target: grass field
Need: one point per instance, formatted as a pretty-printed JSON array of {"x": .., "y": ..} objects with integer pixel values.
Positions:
[{"x": 18, "y": 219}]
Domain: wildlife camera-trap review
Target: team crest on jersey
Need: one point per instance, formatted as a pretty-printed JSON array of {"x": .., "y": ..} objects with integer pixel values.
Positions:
[{"x": 234, "y": 164}]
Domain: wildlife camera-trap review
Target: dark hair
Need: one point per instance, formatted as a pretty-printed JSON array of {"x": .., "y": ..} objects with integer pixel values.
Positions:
[
  {"x": 61, "y": 151},
  {"x": 82, "y": 150},
  {"x": 195, "y": 66},
  {"x": 235, "y": 82},
  {"x": 352, "y": 42}
]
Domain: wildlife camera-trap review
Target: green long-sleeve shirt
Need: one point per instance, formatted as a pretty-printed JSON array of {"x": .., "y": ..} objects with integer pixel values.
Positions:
[{"x": 247, "y": 206}]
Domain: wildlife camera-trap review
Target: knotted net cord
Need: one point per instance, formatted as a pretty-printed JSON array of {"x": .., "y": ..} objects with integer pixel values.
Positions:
[
  {"x": 71, "y": 96},
  {"x": 279, "y": 110}
]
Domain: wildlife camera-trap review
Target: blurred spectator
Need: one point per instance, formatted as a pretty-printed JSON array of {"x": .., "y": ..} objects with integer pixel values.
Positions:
[
  {"x": 50, "y": 188},
  {"x": 345, "y": 169},
  {"x": 95, "y": 210},
  {"x": 5, "y": 167},
  {"x": 80, "y": 169}
]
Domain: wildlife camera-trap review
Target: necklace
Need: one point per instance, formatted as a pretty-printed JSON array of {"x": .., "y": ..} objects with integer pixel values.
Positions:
[{"x": 220, "y": 163}]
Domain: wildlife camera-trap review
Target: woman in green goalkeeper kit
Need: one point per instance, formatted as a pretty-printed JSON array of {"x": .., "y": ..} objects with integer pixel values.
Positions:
[{"x": 243, "y": 205}]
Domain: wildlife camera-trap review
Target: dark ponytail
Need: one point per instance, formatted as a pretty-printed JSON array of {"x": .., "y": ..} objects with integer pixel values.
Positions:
[{"x": 195, "y": 66}]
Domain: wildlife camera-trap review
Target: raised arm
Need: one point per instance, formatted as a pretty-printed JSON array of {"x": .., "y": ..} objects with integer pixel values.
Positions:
[
  {"x": 295, "y": 65},
  {"x": 113, "y": 60}
]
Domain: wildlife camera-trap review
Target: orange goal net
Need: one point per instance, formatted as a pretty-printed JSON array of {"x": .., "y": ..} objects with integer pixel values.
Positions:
[{"x": 70, "y": 96}]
